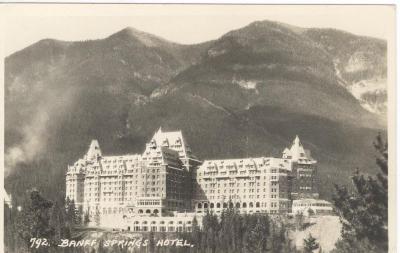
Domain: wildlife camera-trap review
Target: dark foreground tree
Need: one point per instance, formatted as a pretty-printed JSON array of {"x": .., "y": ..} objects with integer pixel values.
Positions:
[
  {"x": 364, "y": 209},
  {"x": 86, "y": 218},
  {"x": 33, "y": 221},
  {"x": 310, "y": 244},
  {"x": 97, "y": 218}
]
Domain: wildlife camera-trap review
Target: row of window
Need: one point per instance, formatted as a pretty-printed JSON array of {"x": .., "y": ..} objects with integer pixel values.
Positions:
[
  {"x": 213, "y": 172},
  {"x": 232, "y": 205},
  {"x": 242, "y": 191},
  {"x": 313, "y": 204},
  {"x": 160, "y": 229},
  {"x": 232, "y": 197},
  {"x": 236, "y": 179}
]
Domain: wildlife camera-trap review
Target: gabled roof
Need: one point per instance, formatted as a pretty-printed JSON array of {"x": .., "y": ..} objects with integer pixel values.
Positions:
[
  {"x": 297, "y": 151},
  {"x": 171, "y": 138},
  {"x": 94, "y": 150}
]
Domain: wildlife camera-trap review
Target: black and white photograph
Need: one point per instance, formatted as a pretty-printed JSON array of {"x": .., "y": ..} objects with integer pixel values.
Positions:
[{"x": 198, "y": 128}]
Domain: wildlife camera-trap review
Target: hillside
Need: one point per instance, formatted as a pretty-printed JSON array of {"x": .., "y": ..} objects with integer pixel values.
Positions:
[
  {"x": 360, "y": 64},
  {"x": 268, "y": 64},
  {"x": 247, "y": 93}
]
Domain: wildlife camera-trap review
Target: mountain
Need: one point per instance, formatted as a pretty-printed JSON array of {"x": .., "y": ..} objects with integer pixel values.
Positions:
[
  {"x": 268, "y": 64},
  {"x": 49, "y": 80},
  {"x": 360, "y": 64},
  {"x": 247, "y": 93}
]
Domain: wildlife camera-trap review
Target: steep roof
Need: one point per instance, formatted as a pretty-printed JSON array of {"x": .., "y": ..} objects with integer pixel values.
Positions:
[
  {"x": 94, "y": 150},
  {"x": 296, "y": 152},
  {"x": 169, "y": 138}
]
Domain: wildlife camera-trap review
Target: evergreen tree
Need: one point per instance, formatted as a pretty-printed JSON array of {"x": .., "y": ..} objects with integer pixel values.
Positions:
[
  {"x": 196, "y": 234},
  {"x": 57, "y": 224},
  {"x": 86, "y": 218},
  {"x": 364, "y": 210},
  {"x": 100, "y": 248},
  {"x": 299, "y": 219},
  {"x": 10, "y": 240},
  {"x": 73, "y": 216},
  {"x": 261, "y": 232},
  {"x": 251, "y": 237},
  {"x": 279, "y": 238},
  {"x": 353, "y": 246},
  {"x": 33, "y": 221},
  {"x": 70, "y": 211},
  {"x": 211, "y": 229},
  {"x": 97, "y": 218},
  {"x": 152, "y": 243},
  {"x": 310, "y": 244},
  {"x": 227, "y": 228}
]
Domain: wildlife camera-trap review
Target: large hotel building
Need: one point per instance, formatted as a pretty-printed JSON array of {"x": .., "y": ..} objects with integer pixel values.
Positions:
[{"x": 168, "y": 179}]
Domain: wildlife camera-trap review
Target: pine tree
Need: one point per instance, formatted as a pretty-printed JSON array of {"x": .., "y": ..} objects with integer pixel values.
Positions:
[
  {"x": 279, "y": 238},
  {"x": 57, "y": 224},
  {"x": 364, "y": 210},
  {"x": 72, "y": 214},
  {"x": 299, "y": 218},
  {"x": 310, "y": 244},
  {"x": 10, "y": 240},
  {"x": 97, "y": 218},
  {"x": 196, "y": 234},
  {"x": 33, "y": 221},
  {"x": 226, "y": 238},
  {"x": 261, "y": 231},
  {"x": 86, "y": 218},
  {"x": 152, "y": 243},
  {"x": 100, "y": 248},
  {"x": 70, "y": 211},
  {"x": 211, "y": 230},
  {"x": 252, "y": 236}
]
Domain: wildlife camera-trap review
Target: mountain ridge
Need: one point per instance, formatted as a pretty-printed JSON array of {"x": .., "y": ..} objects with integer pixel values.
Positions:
[{"x": 247, "y": 93}]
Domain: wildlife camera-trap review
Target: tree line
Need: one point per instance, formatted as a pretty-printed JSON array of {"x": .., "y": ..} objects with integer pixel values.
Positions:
[
  {"x": 39, "y": 218},
  {"x": 363, "y": 209}
]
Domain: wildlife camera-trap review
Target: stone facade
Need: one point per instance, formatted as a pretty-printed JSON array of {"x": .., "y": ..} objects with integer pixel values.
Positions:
[
  {"x": 167, "y": 178},
  {"x": 256, "y": 185},
  {"x": 157, "y": 181}
]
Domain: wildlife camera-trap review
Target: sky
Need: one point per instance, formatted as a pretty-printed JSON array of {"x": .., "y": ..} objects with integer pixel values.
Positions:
[{"x": 186, "y": 24}]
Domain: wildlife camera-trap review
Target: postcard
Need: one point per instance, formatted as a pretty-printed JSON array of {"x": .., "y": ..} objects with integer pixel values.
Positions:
[{"x": 173, "y": 128}]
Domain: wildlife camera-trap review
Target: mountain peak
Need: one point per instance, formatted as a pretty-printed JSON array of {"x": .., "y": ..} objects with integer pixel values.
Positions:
[
  {"x": 130, "y": 33},
  {"x": 272, "y": 25},
  {"x": 129, "y": 30}
]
